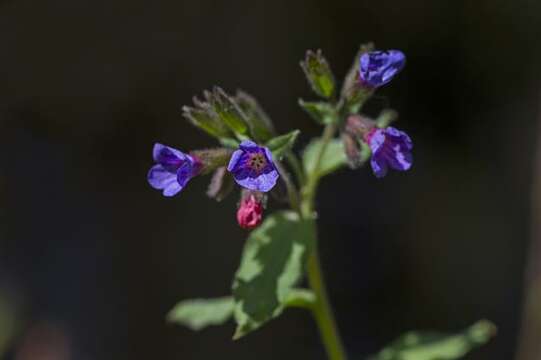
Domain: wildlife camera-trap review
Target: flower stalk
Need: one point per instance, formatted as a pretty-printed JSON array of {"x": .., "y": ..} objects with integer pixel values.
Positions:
[{"x": 321, "y": 310}]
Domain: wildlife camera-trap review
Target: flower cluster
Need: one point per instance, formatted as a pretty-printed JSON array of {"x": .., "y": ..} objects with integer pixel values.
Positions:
[
  {"x": 388, "y": 147},
  {"x": 239, "y": 124}
]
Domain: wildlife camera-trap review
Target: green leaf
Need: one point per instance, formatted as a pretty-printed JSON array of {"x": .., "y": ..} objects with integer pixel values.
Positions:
[
  {"x": 200, "y": 313},
  {"x": 283, "y": 143},
  {"x": 260, "y": 124},
  {"x": 436, "y": 346},
  {"x": 333, "y": 158},
  {"x": 228, "y": 110},
  {"x": 302, "y": 298},
  {"x": 273, "y": 261},
  {"x": 318, "y": 73},
  {"x": 204, "y": 117},
  {"x": 229, "y": 143},
  {"x": 322, "y": 112}
]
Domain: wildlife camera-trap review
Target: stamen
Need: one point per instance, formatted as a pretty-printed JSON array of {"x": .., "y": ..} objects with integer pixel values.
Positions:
[{"x": 257, "y": 162}]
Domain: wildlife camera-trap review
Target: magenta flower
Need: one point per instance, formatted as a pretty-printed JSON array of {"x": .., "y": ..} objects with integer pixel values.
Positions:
[
  {"x": 173, "y": 169},
  {"x": 252, "y": 167},
  {"x": 390, "y": 148},
  {"x": 377, "y": 68}
]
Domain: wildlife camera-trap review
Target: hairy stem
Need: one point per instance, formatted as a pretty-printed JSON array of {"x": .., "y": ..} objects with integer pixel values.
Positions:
[
  {"x": 292, "y": 192},
  {"x": 309, "y": 190},
  {"x": 321, "y": 309},
  {"x": 296, "y": 165}
]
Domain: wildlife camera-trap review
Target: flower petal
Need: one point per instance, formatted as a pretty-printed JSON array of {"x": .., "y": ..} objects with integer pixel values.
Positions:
[
  {"x": 377, "y": 140},
  {"x": 185, "y": 173},
  {"x": 400, "y": 136},
  {"x": 377, "y": 68},
  {"x": 379, "y": 166},
  {"x": 263, "y": 182},
  {"x": 268, "y": 153},
  {"x": 167, "y": 156},
  {"x": 248, "y": 145},
  {"x": 400, "y": 160},
  {"x": 172, "y": 189},
  {"x": 159, "y": 178},
  {"x": 235, "y": 157}
]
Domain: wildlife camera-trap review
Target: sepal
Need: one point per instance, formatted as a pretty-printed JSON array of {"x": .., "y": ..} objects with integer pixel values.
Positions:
[
  {"x": 282, "y": 144},
  {"x": 203, "y": 117},
  {"x": 353, "y": 95},
  {"x": 260, "y": 124},
  {"x": 228, "y": 110},
  {"x": 211, "y": 159},
  {"x": 319, "y": 74},
  {"x": 386, "y": 118}
]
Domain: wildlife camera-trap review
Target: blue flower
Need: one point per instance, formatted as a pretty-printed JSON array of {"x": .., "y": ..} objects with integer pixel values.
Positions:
[
  {"x": 252, "y": 167},
  {"x": 377, "y": 68},
  {"x": 390, "y": 148},
  {"x": 173, "y": 169}
]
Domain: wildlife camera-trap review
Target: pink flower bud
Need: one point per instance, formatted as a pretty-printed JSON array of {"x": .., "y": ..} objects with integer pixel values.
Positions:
[{"x": 250, "y": 212}]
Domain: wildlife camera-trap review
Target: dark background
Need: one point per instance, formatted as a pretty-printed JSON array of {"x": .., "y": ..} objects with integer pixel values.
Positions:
[{"x": 92, "y": 258}]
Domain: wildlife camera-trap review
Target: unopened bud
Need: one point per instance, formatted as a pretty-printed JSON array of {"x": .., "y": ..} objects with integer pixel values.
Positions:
[
  {"x": 318, "y": 73},
  {"x": 250, "y": 211}
]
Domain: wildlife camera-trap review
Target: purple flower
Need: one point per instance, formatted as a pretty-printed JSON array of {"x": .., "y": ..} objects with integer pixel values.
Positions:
[
  {"x": 252, "y": 167},
  {"x": 173, "y": 169},
  {"x": 377, "y": 68},
  {"x": 390, "y": 148}
]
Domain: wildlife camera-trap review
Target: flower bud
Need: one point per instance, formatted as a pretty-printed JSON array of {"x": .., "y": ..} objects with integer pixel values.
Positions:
[
  {"x": 358, "y": 126},
  {"x": 319, "y": 74},
  {"x": 250, "y": 211}
]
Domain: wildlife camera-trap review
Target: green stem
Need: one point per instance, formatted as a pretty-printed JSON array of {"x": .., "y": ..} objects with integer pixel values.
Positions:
[
  {"x": 309, "y": 190},
  {"x": 296, "y": 166},
  {"x": 321, "y": 309},
  {"x": 292, "y": 192}
]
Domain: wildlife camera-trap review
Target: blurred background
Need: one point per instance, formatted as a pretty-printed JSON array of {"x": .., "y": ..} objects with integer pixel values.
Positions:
[{"x": 92, "y": 258}]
